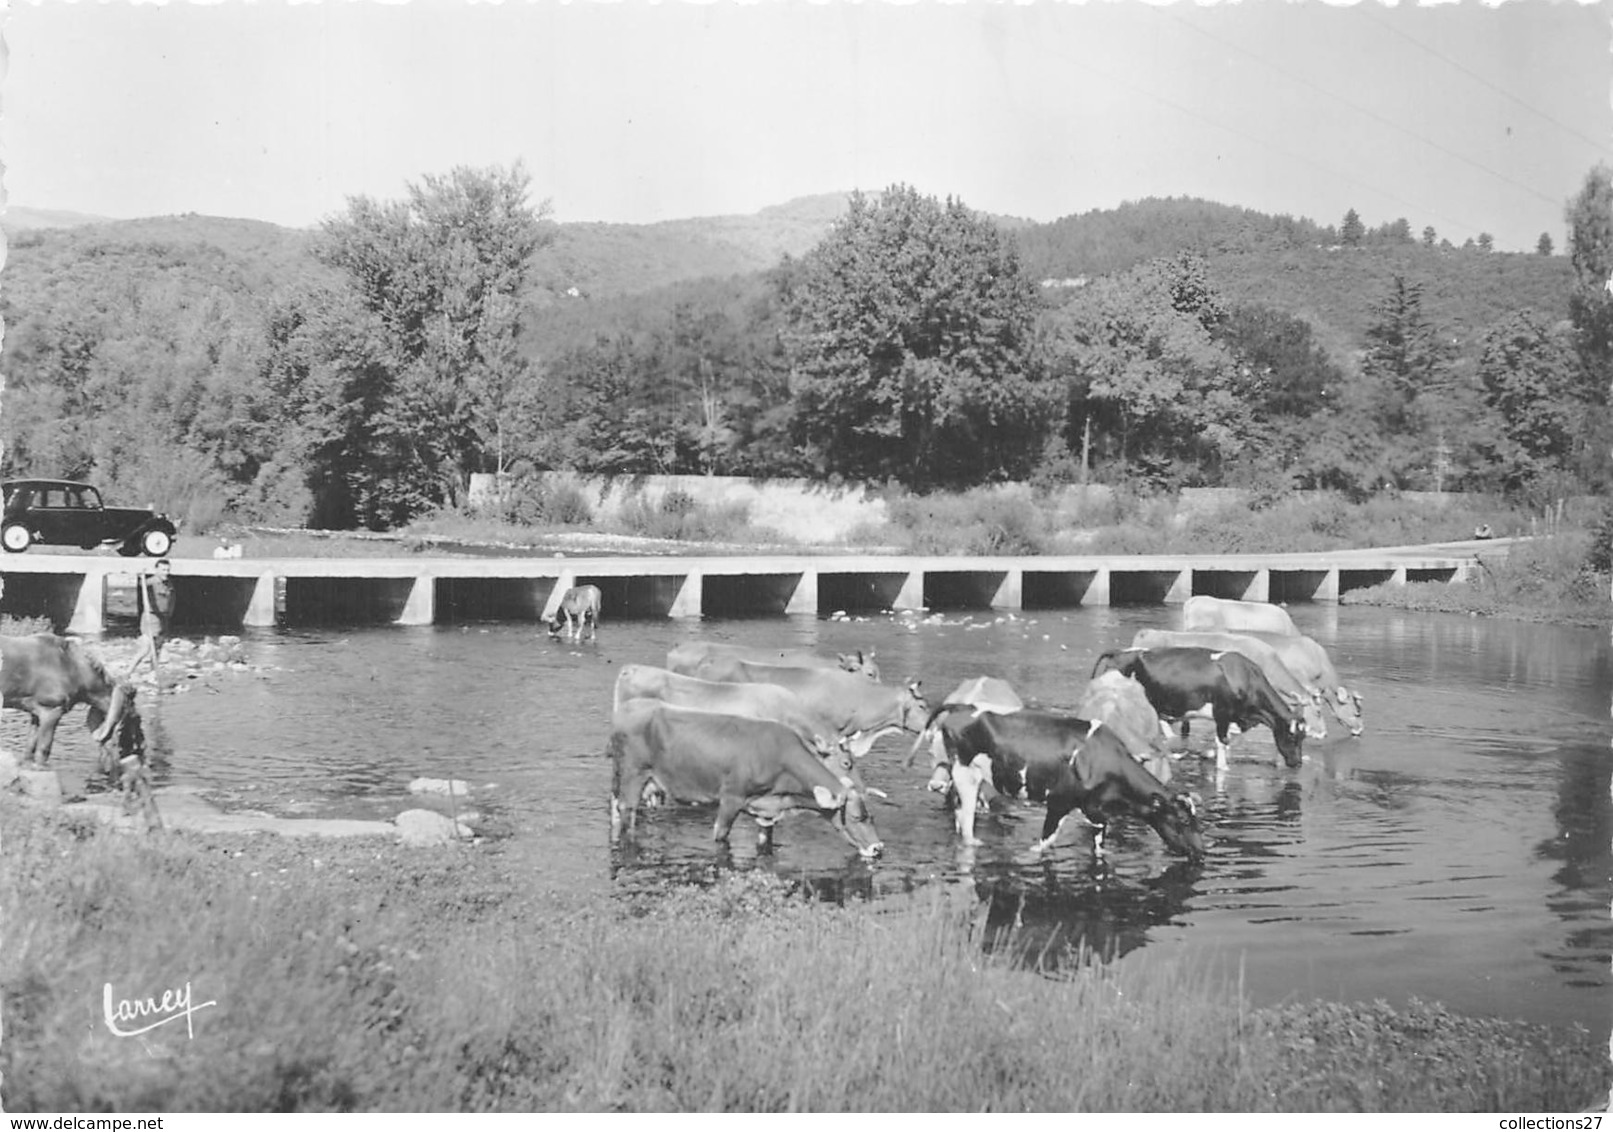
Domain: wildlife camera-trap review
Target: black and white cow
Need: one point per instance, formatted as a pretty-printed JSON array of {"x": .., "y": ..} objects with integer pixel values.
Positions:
[
  {"x": 1227, "y": 686},
  {"x": 1068, "y": 763}
]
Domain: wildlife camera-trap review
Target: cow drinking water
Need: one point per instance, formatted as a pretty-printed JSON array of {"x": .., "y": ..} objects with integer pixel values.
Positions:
[
  {"x": 1229, "y": 687},
  {"x": 1070, "y": 764},
  {"x": 578, "y": 610},
  {"x": 47, "y": 676}
]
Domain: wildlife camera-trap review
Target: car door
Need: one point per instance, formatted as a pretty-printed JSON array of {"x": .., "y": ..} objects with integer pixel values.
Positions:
[{"x": 49, "y": 517}]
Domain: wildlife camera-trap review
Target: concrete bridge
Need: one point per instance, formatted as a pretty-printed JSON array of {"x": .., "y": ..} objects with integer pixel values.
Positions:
[{"x": 80, "y": 592}]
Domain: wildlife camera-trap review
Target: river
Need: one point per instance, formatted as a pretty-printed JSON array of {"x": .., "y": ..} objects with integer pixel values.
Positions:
[{"x": 1457, "y": 851}]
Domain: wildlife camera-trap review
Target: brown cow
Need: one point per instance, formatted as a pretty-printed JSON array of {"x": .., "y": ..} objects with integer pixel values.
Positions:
[
  {"x": 47, "y": 676},
  {"x": 579, "y": 604}
]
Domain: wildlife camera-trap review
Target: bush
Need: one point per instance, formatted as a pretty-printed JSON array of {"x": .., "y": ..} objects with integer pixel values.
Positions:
[
  {"x": 545, "y": 501},
  {"x": 982, "y": 521}
]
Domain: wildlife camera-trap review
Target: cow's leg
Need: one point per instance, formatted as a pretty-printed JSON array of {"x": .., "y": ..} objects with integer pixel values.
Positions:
[
  {"x": 728, "y": 808},
  {"x": 967, "y": 778},
  {"x": 764, "y": 836},
  {"x": 1050, "y": 829},
  {"x": 1222, "y": 725},
  {"x": 940, "y": 765}
]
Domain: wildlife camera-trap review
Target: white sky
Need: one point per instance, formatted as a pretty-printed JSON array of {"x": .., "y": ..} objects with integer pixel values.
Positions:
[{"x": 1464, "y": 117}]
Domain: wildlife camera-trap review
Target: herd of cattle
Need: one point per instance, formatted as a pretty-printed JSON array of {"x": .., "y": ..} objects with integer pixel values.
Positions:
[{"x": 768, "y": 731}]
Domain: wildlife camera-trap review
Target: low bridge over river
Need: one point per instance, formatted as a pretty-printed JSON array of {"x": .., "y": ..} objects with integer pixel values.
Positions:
[{"x": 81, "y": 592}]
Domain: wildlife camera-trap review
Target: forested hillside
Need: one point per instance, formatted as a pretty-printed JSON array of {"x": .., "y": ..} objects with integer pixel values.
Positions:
[{"x": 355, "y": 374}]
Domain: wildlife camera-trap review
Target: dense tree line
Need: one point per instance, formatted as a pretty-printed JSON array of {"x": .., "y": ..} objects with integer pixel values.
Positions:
[{"x": 359, "y": 375}]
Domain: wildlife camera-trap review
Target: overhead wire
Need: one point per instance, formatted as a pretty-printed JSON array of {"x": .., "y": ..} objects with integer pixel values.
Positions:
[
  {"x": 1331, "y": 170},
  {"x": 1604, "y": 145},
  {"x": 1375, "y": 116}
]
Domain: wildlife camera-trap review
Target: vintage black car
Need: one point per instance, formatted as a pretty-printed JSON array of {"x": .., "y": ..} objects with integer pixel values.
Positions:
[{"x": 69, "y": 513}]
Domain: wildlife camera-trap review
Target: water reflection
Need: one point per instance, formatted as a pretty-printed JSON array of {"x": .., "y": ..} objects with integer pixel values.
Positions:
[{"x": 1458, "y": 849}]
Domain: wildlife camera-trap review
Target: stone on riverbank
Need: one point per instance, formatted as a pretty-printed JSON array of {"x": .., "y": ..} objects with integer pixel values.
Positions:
[
  {"x": 456, "y": 786},
  {"x": 427, "y": 827},
  {"x": 40, "y": 786}
]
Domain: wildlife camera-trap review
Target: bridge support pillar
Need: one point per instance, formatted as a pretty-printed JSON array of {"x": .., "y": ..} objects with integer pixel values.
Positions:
[
  {"x": 1397, "y": 576},
  {"x": 1259, "y": 588},
  {"x": 260, "y": 609},
  {"x": 1329, "y": 588},
  {"x": 1098, "y": 591},
  {"x": 691, "y": 595},
  {"x": 911, "y": 595},
  {"x": 89, "y": 607},
  {"x": 421, "y": 607},
  {"x": 1011, "y": 593},
  {"x": 804, "y": 598},
  {"x": 567, "y": 579},
  {"x": 1181, "y": 589}
]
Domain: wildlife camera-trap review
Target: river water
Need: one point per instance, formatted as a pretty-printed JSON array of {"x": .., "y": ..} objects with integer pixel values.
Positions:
[{"x": 1458, "y": 851}]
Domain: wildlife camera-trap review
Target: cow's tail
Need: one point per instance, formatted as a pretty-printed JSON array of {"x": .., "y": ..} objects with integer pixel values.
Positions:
[
  {"x": 924, "y": 734},
  {"x": 1115, "y": 660}
]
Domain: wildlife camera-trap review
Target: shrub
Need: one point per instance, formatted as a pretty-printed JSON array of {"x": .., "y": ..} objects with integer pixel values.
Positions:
[
  {"x": 982, "y": 521},
  {"x": 545, "y": 501}
]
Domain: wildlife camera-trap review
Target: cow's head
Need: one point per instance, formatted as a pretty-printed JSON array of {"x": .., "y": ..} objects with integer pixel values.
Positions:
[
  {"x": 1347, "y": 706},
  {"x": 849, "y": 814},
  {"x": 1309, "y": 708},
  {"x": 914, "y": 708},
  {"x": 121, "y": 720},
  {"x": 839, "y": 761},
  {"x": 1175, "y": 817},
  {"x": 861, "y": 663},
  {"x": 1290, "y": 736}
]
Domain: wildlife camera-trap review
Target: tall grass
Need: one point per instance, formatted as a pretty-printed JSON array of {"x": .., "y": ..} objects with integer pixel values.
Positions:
[
  {"x": 1551, "y": 578},
  {"x": 360, "y": 976}
]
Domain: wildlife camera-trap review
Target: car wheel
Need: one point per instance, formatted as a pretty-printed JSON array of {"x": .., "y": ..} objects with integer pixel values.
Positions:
[
  {"x": 15, "y": 538},
  {"x": 156, "y": 543}
]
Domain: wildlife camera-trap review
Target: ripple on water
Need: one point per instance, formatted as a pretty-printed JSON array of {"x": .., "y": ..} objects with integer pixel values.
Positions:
[{"x": 1458, "y": 849}]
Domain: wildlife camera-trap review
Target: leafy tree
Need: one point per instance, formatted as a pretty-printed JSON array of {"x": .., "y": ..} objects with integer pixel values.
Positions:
[
  {"x": 1429, "y": 236},
  {"x": 439, "y": 273},
  {"x": 1531, "y": 380},
  {"x": 1486, "y": 242},
  {"x": 1590, "y": 250},
  {"x": 908, "y": 333},
  {"x": 1353, "y": 231},
  {"x": 1141, "y": 360},
  {"x": 1543, "y": 246}
]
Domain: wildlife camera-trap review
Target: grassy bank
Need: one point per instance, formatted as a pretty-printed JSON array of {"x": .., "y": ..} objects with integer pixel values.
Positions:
[
  {"x": 1552, "y": 579},
  {"x": 362, "y": 976}
]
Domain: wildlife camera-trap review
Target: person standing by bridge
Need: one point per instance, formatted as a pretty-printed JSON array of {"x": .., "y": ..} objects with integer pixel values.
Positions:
[{"x": 156, "y": 602}]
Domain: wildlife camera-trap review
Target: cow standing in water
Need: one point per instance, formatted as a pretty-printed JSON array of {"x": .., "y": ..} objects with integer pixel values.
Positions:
[
  {"x": 578, "y": 610},
  {"x": 47, "y": 676}
]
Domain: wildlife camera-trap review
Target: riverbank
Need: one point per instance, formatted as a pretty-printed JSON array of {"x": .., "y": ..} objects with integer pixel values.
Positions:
[{"x": 358, "y": 975}]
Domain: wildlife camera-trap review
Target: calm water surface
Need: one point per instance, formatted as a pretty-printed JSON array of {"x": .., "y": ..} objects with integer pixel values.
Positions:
[{"x": 1457, "y": 851}]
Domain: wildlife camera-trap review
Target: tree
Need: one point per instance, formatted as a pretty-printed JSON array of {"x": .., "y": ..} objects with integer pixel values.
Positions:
[
  {"x": 908, "y": 333},
  {"x": 1353, "y": 231},
  {"x": 441, "y": 274},
  {"x": 1543, "y": 246},
  {"x": 1486, "y": 242},
  {"x": 1403, "y": 357},
  {"x": 1142, "y": 362},
  {"x": 1590, "y": 250},
  {"x": 1429, "y": 236},
  {"x": 1531, "y": 380}
]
